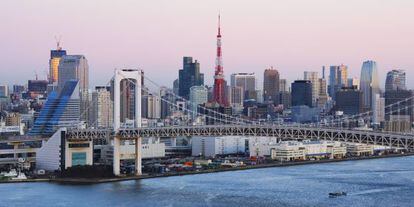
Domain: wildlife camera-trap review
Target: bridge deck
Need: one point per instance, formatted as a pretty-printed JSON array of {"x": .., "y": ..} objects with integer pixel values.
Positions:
[{"x": 282, "y": 132}]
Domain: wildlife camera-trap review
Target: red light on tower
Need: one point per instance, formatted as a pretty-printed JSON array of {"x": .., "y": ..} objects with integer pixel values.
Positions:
[{"x": 219, "y": 82}]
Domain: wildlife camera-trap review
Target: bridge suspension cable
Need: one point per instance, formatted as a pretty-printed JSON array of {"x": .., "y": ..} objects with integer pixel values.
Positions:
[
  {"x": 198, "y": 106},
  {"x": 187, "y": 110},
  {"x": 368, "y": 113}
]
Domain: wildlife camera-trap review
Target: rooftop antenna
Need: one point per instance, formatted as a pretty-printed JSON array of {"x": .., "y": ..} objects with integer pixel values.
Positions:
[
  {"x": 35, "y": 74},
  {"x": 58, "y": 42},
  {"x": 47, "y": 74}
]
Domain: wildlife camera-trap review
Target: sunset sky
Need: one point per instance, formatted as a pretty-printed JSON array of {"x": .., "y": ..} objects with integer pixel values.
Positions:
[{"x": 292, "y": 36}]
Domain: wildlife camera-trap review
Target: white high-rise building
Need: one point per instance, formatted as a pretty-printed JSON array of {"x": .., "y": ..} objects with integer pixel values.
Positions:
[
  {"x": 245, "y": 80},
  {"x": 198, "y": 95},
  {"x": 153, "y": 104},
  {"x": 313, "y": 77},
  {"x": 379, "y": 109},
  {"x": 102, "y": 109},
  {"x": 236, "y": 96},
  {"x": 4, "y": 90},
  {"x": 369, "y": 84}
]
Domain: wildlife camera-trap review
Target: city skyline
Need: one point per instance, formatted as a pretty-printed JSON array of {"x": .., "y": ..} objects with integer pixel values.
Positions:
[{"x": 164, "y": 33}]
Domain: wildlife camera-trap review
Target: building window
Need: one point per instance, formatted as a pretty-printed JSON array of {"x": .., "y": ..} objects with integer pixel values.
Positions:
[{"x": 78, "y": 158}]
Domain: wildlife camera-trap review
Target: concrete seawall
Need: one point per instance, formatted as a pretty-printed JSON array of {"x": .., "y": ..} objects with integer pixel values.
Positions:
[{"x": 80, "y": 181}]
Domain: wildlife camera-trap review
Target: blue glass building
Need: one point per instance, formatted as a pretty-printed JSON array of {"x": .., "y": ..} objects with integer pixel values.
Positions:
[{"x": 60, "y": 110}]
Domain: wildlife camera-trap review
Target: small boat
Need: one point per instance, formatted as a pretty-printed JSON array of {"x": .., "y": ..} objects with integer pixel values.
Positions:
[
  {"x": 336, "y": 194},
  {"x": 21, "y": 176},
  {"x": 12, "y": 173}
]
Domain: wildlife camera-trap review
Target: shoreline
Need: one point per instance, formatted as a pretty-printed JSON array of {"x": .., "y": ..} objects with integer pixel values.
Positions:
[{"x": 88, "y": 181}]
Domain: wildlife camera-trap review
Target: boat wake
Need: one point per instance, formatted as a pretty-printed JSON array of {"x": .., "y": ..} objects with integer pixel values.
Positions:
[{"x": 379, "y": 190}]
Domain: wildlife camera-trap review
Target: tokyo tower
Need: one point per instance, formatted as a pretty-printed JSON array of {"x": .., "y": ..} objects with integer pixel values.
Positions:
[{"x": 219, "y": 82}]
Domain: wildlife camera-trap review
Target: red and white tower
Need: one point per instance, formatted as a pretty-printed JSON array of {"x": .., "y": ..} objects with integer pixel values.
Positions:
[{"x": 219, "y": 82}]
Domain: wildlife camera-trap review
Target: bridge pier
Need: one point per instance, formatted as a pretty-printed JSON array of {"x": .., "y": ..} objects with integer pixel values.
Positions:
[
  {"x": 138, "y": 156},
  {"x": 116, "y": 158}
]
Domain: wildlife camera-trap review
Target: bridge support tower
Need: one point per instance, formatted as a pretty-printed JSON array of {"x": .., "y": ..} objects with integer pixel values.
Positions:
[{"x": 135, "y": 76}]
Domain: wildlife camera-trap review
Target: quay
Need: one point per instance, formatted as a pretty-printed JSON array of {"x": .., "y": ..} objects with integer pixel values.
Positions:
[{"x": 86, "y": 181}]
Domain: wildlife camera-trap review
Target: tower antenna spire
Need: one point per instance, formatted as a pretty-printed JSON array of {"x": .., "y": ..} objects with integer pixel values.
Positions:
[
  {"x": 219, "y": 26},
  {"x": 58, "y": 42}
]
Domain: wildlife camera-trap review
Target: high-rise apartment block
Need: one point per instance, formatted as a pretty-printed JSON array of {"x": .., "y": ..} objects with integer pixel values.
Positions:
[{"x": 102, "y": 109}]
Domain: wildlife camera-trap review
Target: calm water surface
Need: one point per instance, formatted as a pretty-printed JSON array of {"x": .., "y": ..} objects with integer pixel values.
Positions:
[{"x": 382, "y": 182}]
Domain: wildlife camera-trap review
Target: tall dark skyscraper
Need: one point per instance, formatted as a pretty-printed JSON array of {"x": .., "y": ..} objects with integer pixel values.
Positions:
[
  {"x": 401, "y": 110},
  {"x": 349, "y": 100},
  {"x": 302, "y": 93},
  {"x": 395, "y": 80},
  {"x": 189, "y": 76},
  {"x": 271, "y": 84}
]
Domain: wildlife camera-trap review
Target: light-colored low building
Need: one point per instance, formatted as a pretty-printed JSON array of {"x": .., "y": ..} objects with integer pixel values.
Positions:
[
  {"x": 294, "y": 150},
  {"x": 212, "y": 146},
  {"x": 261, "y": 146},
  {"x": 356, "y": 149},
  {"x": 149, "y": 150},
  {"x": 336, "y": 150},
  {"x": 50, "y": 157},
  {"x": 288, "y": 151}
]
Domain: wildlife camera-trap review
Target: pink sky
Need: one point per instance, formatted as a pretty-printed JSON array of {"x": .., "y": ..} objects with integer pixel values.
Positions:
[{"x": 292, "y": 36}]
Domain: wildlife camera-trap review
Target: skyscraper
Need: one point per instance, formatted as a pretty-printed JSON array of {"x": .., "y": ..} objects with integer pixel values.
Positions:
[
  {"x": 338, "y": 78},
  {"x": 189, "y": 76},
  {"x": 4, "y": 91},
  {"x": 219, "y": 91},
  {"x": 323, "y": 94},
  {"x": 247, "y": 81},
  {"x": 54, "y": 61},
  {"x": 152, "y": 106},
  {"x": 314, "y": 79},
  {"x": 349, "y": 100},
  {"x": 167, "y": 101},
  {"x": 271, "y": 84},
  {"x": 236, "y": 96},
  {"x": 102, "y": 110},
  {"x": 400, "y": 105},
  {"x": 302, "y": 93},
  {"x": 369, "y": 84},
  {"x": 198, "y": 95},
  {"x": 75, "y": 67},
  {"x": 395, "y": 80},
  {"x": 62, "y": 109}
]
